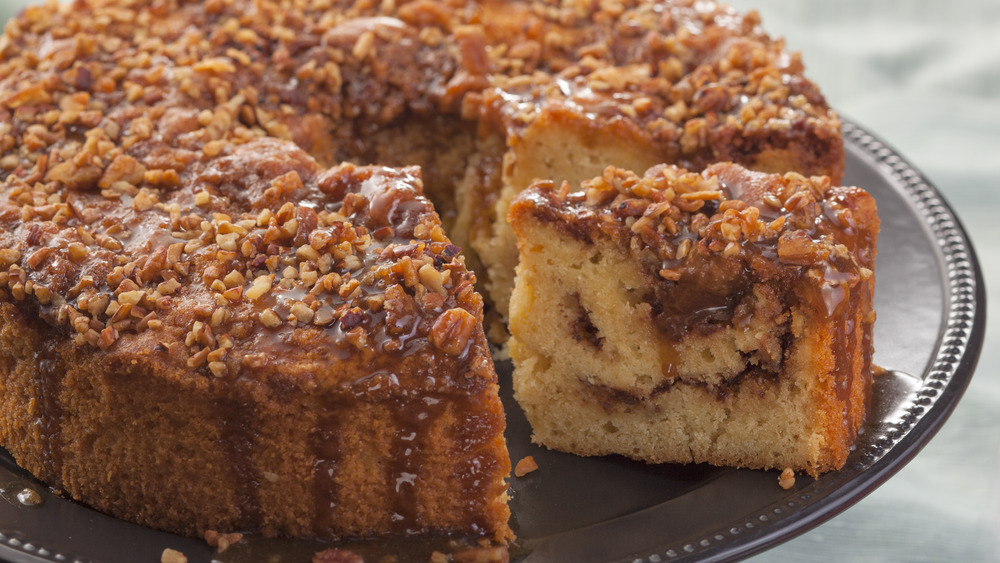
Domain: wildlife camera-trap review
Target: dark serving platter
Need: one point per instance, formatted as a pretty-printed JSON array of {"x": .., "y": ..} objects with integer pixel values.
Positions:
[{"x": 931, "y": 306}]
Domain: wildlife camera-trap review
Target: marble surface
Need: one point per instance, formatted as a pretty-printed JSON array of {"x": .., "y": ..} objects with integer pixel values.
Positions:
[{"x": 924, "y": 75}]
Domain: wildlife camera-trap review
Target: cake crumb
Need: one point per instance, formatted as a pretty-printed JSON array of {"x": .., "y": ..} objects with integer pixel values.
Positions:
[
  {"x": 172, "y": 556},
  {"x": 222, "y": 541},
  {"x": 525, "y": 466},
  {"x": 495, "y": 554},
  {"x": 337, "y": 556},
  {"x": 787, "y": 479}
]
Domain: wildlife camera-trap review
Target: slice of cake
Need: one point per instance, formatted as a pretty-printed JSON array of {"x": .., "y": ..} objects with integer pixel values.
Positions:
[{"x": 723, "y": 317}]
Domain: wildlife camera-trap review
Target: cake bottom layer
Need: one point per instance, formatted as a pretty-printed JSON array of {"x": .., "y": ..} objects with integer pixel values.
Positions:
[{"x": 186, "y": 454}]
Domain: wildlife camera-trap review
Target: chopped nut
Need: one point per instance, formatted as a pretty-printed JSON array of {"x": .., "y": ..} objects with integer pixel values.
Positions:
[
  {"x": 432, "y": 278},
  {"x": 172, "y": 556},
  {"x": 671, "y": 275},
  {"x": 525, "y": 466},
  {"x": 227, "y": 241},
  {"x": 261, "y": 285},
  {"x": 323, "y": 316},
  {"x": 452, "y": 331},
  {"x": 222, "y": 541},
  {"x": 220, "y": 316},
  {"x": 352, "y": 262},
  {"x": 308, "y": 278},
  {"x": 302, "y": 312},
  {"x": 77, "y": 252},
  {"x": 795, "y": 247},
  {"x": 131, "y": 297},
  {"x": 270, "y": 319},
  {"x": 787, "y": 479},
  {"x": 233, "y": 294},
  {"x": 142, "y": 201},
  {"x": 39, "y": 256},
  {"x": 363, "y": 46},
  {"x": 198, "y": 359},
  {"x": 234, "y": 279},
  {"x": 218, "y": 369},
  {"x": 9, "y": 256},
  {"x": 108, "y": 337},
  {"x": 348, "y": 288},
  {"x": 168, "y": 287}
]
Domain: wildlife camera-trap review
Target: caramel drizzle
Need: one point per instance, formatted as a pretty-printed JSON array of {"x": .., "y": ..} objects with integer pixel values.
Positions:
[
  {"x": 238, "y": 439},
  {"x": 413, "y": 420},
  {"x": 50, "y": 418},
  {"x": 327, "y": 456}
]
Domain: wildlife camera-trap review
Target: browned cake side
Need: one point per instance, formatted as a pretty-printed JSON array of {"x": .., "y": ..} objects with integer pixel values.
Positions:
[
  {"x": 315, "y": 368},
  {"x": 723, "y": 317}
]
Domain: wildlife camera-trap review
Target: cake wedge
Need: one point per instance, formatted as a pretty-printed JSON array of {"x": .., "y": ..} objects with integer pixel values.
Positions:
[{"x": 722, "y": 317}]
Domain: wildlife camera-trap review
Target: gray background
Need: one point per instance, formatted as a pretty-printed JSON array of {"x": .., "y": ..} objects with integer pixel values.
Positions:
[{"x": 925, "y": 77}]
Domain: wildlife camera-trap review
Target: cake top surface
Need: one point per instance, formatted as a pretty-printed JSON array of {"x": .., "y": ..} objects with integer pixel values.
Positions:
[
  {"x": 149, "y": 185},
  {"x": 705, "y": 233},
  {"x": 224, "y": 272},
  {"x": 702, "y": 81}
]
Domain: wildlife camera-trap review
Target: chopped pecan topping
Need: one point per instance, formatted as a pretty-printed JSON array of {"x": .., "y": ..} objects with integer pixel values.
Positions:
[
  {"x": 156, "y": 181},
  {"x": 740, "y": 222}
]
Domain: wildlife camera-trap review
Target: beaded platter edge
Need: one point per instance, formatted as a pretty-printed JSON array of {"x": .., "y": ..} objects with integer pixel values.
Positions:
[{"x": 954, "y": 345}]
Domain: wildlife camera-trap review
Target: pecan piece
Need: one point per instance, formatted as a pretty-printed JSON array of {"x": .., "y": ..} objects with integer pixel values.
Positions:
[
  {"x": 796, "y": 247},
  {"x": 452, "y": 331}
]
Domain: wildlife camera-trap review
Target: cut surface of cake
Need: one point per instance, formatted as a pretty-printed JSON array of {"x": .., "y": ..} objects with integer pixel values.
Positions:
[{"x": 723, "y": 317}]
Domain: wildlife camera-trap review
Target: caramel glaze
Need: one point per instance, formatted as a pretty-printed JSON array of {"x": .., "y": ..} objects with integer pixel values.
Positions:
[
  {"x": 166, "y": 189},
  {"x": 707, "y": 239},
  {"x": 237, "y": 430},
  {"x": 51, "y": 411}
]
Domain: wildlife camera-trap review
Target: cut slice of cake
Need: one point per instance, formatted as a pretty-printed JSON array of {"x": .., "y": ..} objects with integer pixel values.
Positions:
[{"x": 723, "y": 317}]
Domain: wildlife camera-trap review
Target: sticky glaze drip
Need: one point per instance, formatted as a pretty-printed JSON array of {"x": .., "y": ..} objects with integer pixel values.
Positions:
[
  {"x": 49, "y": 383},
  {"x": 414, "y": 420},
  {"x": 327, "y": 455},
  {"x": 237, "y": 440}
]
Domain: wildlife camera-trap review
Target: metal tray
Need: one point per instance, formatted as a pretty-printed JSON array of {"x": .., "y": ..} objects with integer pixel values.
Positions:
[{"x": 931, "y": 307}]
